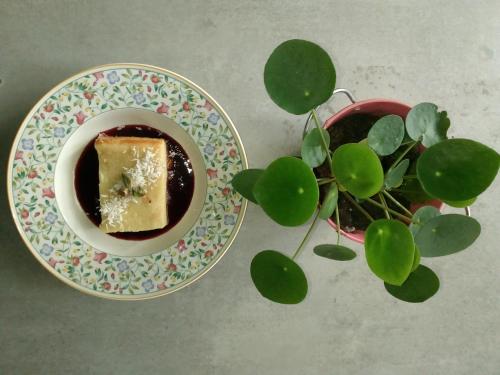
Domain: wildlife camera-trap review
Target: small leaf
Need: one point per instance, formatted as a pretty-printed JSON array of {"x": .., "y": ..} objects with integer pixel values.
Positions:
[
  {"x": 299, "y": 76},
  {"x": 421, "y": 285},
  {"x": 422, "y": 216},
  {"x": 278, "y": 278},
  {"x": 461, "y": 204},
  {"x": 386, "y": 134},
  {"x": 394, "y": 176},
  {"x": 457, "y": 169},
  {"x": 425, "y": 123},
  {"x": 138, "y": 192},
  {"x": 358, "y": 169},
  {"x": 447, "y": 234},
  {"x": 126, "y": 180},
  {"x": 335, "y": 252},
  {"x": 416, "y": 259},
  {"x": 389, "y": 250},
  {"x": 312, "y": 150},
  {"x": 244, "y": 182},
  {"x": 330, "y": 202},
  {"x": 288, "y": 191}
]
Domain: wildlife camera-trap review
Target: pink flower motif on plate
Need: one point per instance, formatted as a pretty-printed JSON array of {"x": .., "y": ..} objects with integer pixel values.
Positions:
[
  {"x": 163, "y": 108},
  {"x": 48, "y": 193},
  {"x": 99, "y": 257},
  {"x": 80, "y": 118},
  {"x": 212, "y": 173},
  {"x": 181, "y": 245},
  {"x": 98, "y": 76},
  {"x": 207, "y": 105}
]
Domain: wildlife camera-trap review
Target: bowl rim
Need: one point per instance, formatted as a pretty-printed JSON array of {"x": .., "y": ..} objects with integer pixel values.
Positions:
[{"x": 10, "y": 162}]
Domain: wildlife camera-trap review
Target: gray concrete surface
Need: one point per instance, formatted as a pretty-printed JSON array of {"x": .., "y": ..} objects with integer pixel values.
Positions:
[{"x": 447, "y": 52}]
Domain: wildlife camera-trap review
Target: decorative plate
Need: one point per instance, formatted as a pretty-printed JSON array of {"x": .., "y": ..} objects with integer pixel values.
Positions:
[{"x": 42, "y": 193}]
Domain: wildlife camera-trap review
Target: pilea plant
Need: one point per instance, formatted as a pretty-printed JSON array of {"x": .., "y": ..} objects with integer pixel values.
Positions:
[{"x": 299, "y": 76}]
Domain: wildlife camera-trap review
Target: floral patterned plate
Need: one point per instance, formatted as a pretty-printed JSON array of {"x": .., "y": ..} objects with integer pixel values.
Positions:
[{"x": 42, "y": 194}]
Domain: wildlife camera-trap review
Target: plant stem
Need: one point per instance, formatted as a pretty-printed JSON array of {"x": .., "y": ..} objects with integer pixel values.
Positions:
[
  {"x": 323, "y": 140},
  {"x": 410, "y": 146},
  {"x": 323, "y": 181},
  {"x": 357, "y": 205},
  {"x": 306, "y": 237},
  {"x": 410, "y": 177},
  {"x": 384, "y": 203},
  {"x": 395, "y": 213},
  {"x": 337, "y": 218},
  {"x": 397, "y": 203}
]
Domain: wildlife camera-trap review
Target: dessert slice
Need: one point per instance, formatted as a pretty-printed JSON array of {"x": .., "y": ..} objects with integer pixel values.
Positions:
[{"x": 132, "y": 183}]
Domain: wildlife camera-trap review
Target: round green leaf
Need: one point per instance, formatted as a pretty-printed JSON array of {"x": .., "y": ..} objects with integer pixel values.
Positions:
[
  {"x": 335, "y": 252},
  {"x": 425, "y": 123},
  {"x": 460, "y": 204},
  {"x": 457, "y": 169},
  {"x": 447, "y": 234},
  {"x": 389, "y": 250},
  {"x": 287, "y": 191},
  {"x": 299, "y": 76},
  {"x": 421, "y": 285},
  {"x": 394, "y": 176},
  {"x": 312, "y": 150},
  {"x": 416, "y": 259},
  {"x": 422, "y": 216},
  {"x": 386, "y": 134},
  {"x": 358, "y": 169},
  {"x": 244, "y": 182},
  {"x": 278, "y": 278},
  {"x": 330, "y": 202}
]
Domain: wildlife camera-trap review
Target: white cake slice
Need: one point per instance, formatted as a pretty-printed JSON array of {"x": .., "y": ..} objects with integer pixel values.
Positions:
[{"x": 132, "y": 183}]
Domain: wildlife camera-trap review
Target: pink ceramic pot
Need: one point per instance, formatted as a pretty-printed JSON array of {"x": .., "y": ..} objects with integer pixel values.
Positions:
[{"x": 377, "y": 107}]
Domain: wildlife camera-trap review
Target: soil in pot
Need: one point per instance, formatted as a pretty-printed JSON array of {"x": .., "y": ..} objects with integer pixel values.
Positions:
[{"x": 354, "y": 129}]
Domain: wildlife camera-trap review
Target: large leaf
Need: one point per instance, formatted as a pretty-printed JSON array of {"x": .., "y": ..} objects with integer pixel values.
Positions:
[
  {"x": 244, "y": 182},
  {"x": 447, "y": 234},
  {"x": 389, "y": 250},
  {"x": 422, "y": 216},
  {"x": 299, "y": 76},
  {"x": 425, "y": 123},
  {"x": 330, "y": 202},
  {"x": 312, "y": 151},
  {"x": 278, "y": 278},
  {"x": 461, "y": 204},
  {"x": 421, "y": 285},
  {"x": 394, "y": 176},
  {"x": 288, "y": 191},
  {"x": 457, "y": 169},
  {"x": 386, "y": 134},
  {"x": 335, "y": 252},
  {"x": 358, "y": 169}
]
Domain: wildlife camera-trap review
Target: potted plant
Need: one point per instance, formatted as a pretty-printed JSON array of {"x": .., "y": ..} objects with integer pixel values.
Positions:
[{"x": 378, "y": 171}]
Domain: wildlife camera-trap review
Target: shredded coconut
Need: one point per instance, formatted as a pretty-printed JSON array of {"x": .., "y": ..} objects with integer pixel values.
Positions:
[
  {"x": 113, "y": 209},
  {"x": 146, "y": 170}
]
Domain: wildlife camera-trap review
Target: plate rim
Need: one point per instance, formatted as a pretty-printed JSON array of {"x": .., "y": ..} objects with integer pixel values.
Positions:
[{"x": 72, "y": 284}]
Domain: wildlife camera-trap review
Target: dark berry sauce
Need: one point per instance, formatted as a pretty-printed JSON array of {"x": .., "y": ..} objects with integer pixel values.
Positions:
[{"x": 180, "y": 182}]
